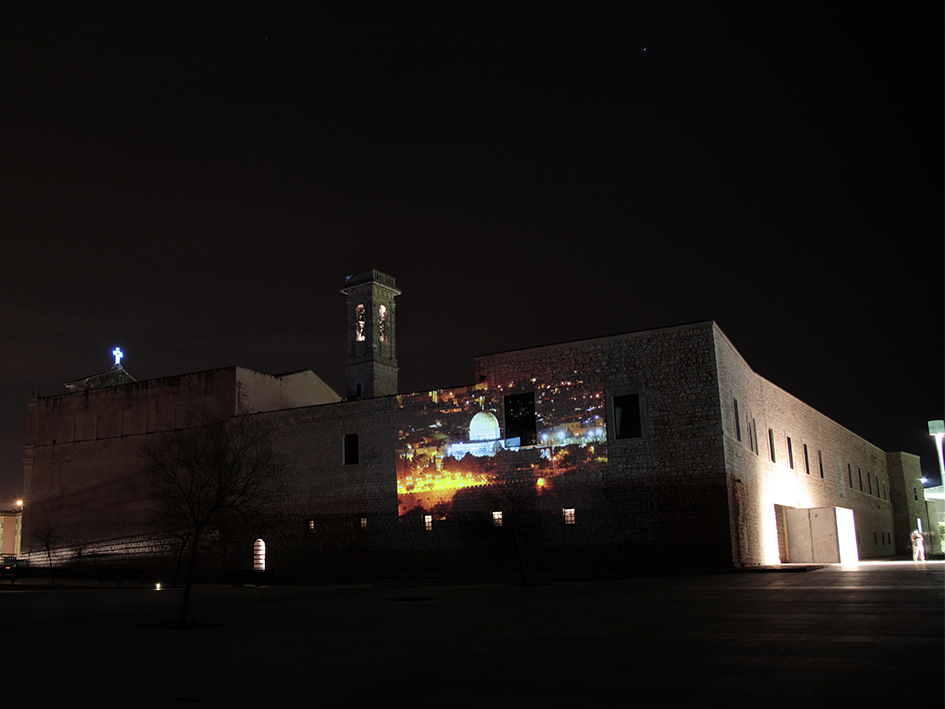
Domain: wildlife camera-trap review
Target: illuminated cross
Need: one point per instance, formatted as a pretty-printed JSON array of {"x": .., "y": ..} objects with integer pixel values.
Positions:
[{"x": 118, "y": 355}]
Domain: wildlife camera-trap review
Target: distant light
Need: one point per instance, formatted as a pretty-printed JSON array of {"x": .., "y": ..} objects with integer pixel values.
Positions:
[
  {"x": 19, "y": 503},
  {"x": 118, "y": 355},
  {"x": 157, "y": 587}
]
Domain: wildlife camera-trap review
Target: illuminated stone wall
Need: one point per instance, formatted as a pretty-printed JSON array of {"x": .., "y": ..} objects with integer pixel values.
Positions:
[{"x": 759, "y": 485}]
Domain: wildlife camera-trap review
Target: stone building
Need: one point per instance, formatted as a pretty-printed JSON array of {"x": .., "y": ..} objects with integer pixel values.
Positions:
[{"x": 648, "y": 448}]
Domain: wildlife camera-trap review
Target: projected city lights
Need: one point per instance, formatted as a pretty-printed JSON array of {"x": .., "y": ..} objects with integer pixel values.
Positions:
[{"x": 453, "y": 445}]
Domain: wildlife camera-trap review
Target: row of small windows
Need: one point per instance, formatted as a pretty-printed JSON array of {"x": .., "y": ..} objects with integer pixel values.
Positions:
[
  {"x": 568, "y": 517},
  {"x": 884, "y": 538},
  {"x": 881, "y": 491},
  {"x": 880, "y": 488},
  {"x": 772, "y": 449},
  {"x": 310, "y": 525}
]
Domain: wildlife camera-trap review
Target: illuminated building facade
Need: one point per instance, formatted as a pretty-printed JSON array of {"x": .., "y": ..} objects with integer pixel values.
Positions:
[
  {"x": 11, "y": 523},
  {"x": 659, "y": 447}
]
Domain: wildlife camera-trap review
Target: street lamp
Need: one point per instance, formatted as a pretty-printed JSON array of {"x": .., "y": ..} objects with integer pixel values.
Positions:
[{"x": 937, "y": 431}]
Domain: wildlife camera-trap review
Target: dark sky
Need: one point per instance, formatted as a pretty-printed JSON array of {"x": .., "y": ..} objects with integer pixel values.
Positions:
[{"x": 194, "y": 187}]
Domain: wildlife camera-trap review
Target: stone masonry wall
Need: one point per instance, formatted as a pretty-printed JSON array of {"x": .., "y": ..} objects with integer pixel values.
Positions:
[
  {"x": 83, "y": 471},
  {"x": 327, "y": 498},
  {"x": 82, "y": 464},
  {"x": 825, "y": 466},
  {"x": 908, "y": 496},
  {"x": 664, "y": 491}
]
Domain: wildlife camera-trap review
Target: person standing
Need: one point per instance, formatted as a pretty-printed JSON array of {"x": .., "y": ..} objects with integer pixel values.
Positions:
[{"x": 918, "y": 546}]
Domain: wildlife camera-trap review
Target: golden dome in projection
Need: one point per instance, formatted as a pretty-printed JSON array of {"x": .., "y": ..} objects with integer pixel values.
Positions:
[{"x": 483, "y": 427}]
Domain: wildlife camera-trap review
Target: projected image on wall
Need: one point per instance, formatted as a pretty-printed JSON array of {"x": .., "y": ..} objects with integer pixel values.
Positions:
[{"x": 472, "y": 438}]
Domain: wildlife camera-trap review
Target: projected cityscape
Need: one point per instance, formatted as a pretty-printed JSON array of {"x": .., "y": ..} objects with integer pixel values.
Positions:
[{"x": 475, "y": 437}]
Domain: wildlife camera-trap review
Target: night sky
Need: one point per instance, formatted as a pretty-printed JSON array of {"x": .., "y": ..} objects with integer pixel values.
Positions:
[{"x": 194, "y": 188}]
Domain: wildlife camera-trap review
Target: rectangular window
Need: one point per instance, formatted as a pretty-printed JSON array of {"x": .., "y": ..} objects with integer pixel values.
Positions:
[
  {"x": 806, "y": 460},
  {"x": 754, "y": 435},
  {"x": 521, "y": 425},
  {"x": 628, "y": 423},
  {"x": 850, "y": 474},
  {"x": 738, "y": 425},
  {"x": 497, "y": 518},
  {"x": 790, "y": 454},
  {"x": 860, "y": 476},
  {"x": 351, "y": 448},
  {"x": 820, "y": 461},
  {"x": 875, "y": 540},
  {"x": 567, "y": 513},
  {"x": 311, "y": 526},
  {"x": 869, "y": 482},
  {"x": 771, "y": 445},
  {"x": 428, "y": 522},
  {"x": 364, "y": 523},
  {"x": 359, "y": 323},
  {"x": 382, "y": 322}
]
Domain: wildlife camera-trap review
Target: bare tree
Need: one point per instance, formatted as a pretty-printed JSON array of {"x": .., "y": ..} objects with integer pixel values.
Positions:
[
  {"x": 47, "y": 537},
  {"x": 506, "y": 513},
  {"x": 79, "y": 546},
  {"x": 207, "y": 473},
  {"x": 520, "y": 520}
]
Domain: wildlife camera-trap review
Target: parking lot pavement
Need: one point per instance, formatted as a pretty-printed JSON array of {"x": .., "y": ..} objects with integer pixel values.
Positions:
[{"x": 871, "y": 632}]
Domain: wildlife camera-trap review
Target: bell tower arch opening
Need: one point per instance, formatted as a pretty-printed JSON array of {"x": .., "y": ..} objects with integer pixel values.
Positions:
[{"x": 371, "y": 363}]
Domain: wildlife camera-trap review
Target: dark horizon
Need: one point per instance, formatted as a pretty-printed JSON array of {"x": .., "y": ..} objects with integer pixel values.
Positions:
[{"x": 194, "y": 189}]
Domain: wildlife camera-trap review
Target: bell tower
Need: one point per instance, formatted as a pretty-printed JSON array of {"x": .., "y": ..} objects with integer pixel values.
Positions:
[{"x": 371, "y": 363}]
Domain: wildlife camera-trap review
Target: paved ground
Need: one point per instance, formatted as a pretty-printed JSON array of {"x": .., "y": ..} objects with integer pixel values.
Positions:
[{"x": 871, "y": 633}]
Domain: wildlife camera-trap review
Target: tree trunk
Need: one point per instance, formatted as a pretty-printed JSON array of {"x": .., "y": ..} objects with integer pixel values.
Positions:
[{"x": 185, "y": 602}]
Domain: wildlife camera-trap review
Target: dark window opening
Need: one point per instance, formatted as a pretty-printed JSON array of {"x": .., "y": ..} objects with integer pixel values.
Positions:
[
  {"x": 351, "y": 448},
  {"x": 627, "y": 420},
  {"x": 806, "y": 460},
  {"x": 790, "y": 454},
  {"x": 771, "y": 445},
  {"x": 860, "y": 476},
  {"x": 738, "y": 426},
  {"x": 820, "y": 461},
  {"x": 521, "y": 425}
]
